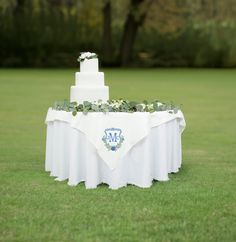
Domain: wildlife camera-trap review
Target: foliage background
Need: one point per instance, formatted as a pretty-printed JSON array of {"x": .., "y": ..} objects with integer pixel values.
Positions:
[{"x": 51, "y": 33}]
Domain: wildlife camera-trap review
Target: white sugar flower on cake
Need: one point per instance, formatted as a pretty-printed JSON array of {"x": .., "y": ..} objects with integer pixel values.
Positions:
[{"x": 86, "y": 55}]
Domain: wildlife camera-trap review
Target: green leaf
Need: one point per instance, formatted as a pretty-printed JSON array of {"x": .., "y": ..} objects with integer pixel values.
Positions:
[
  {"x": 94, "y": 108},
  {"x": 115, "y": 106},
  {"x": 87, "y": 104},
  {"x": 145, "y": 102},
  {"x": 139, "y": 107}
]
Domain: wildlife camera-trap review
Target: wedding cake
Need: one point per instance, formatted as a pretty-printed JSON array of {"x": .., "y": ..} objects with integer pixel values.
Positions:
[{"x": 89, "y": 82}]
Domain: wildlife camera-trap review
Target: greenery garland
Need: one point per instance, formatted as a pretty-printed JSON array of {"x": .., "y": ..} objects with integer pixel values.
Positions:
[{"x": 115, "y": 106}]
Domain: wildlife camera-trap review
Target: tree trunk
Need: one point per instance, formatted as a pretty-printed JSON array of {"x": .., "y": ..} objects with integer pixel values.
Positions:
[
  {"x": 107, "y": 33},
  {"x": 56, "y": 2},
  {"x": 133, "y": 22},
  {"x": 19, "y": 6}
]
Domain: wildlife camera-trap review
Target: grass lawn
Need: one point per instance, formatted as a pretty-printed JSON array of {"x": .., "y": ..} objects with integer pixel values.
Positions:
[{"x": 197, "y": 204}]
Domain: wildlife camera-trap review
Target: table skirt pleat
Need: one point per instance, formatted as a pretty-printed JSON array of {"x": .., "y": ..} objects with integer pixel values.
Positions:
[{"x": 69, "y": 155}]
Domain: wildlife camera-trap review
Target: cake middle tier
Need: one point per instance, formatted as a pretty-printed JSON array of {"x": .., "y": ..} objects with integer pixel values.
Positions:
[
  {"x": 80, "y": 94},
  {"x": 89, "y": 78}
]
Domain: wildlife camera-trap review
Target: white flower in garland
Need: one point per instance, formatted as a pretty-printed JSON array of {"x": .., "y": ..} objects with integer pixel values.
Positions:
[
  {"x": 143, "y": 105},
  {"x": 86, "y": 55},
  {"x": 115, "y": 105}
]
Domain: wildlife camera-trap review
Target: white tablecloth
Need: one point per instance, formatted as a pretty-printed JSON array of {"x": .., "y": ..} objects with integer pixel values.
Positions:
[{"x": 151, "y": 148}]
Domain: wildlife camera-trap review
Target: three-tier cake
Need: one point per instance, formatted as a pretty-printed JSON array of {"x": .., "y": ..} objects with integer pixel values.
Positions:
[{"x": 89, "y": 82}]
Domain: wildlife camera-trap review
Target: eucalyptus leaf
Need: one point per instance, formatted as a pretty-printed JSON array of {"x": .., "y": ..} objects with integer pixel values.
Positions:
[
  {"x": 115, "y": 106},
  {"x": 74, "y": 113}
]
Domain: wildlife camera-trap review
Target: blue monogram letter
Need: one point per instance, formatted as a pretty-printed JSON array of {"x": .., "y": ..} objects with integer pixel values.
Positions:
[{"x": 112, "y": 138}]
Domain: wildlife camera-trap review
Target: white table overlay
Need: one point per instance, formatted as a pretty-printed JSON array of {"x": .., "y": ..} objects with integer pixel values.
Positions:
[{"x": 151, "y": 147}]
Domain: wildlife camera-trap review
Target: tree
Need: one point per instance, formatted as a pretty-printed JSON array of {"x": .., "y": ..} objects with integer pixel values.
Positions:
[
  {"x": 135, "y": 19},
  {"x": 19, "y": 6},
  {"x": 107, "y": 33}
]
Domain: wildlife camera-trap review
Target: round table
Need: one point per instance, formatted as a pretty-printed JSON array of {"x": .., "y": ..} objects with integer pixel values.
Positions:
[{"x": 113, "y": 148}]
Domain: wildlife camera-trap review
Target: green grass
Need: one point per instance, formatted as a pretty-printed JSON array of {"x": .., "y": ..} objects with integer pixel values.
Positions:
[{"x": 197, "y": 204}]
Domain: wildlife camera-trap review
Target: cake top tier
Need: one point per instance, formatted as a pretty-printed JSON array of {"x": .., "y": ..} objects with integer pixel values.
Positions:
[{"x": 88, "y": 62}]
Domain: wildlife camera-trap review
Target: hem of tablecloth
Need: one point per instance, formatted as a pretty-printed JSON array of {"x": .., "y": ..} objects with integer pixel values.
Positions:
[{"x": 112, "y": 187}]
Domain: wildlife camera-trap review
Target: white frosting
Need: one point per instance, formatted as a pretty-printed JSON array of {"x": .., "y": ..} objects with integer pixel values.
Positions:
[
  {"x": 90, "y": 65},
  {"x": 80, "y": 94},
  {"x": 89, "y": 78},
  {"x": 89, "y": 83}
]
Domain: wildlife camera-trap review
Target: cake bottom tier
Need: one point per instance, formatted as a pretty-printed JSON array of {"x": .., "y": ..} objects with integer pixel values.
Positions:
[{"x": 80, "y": 94}]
